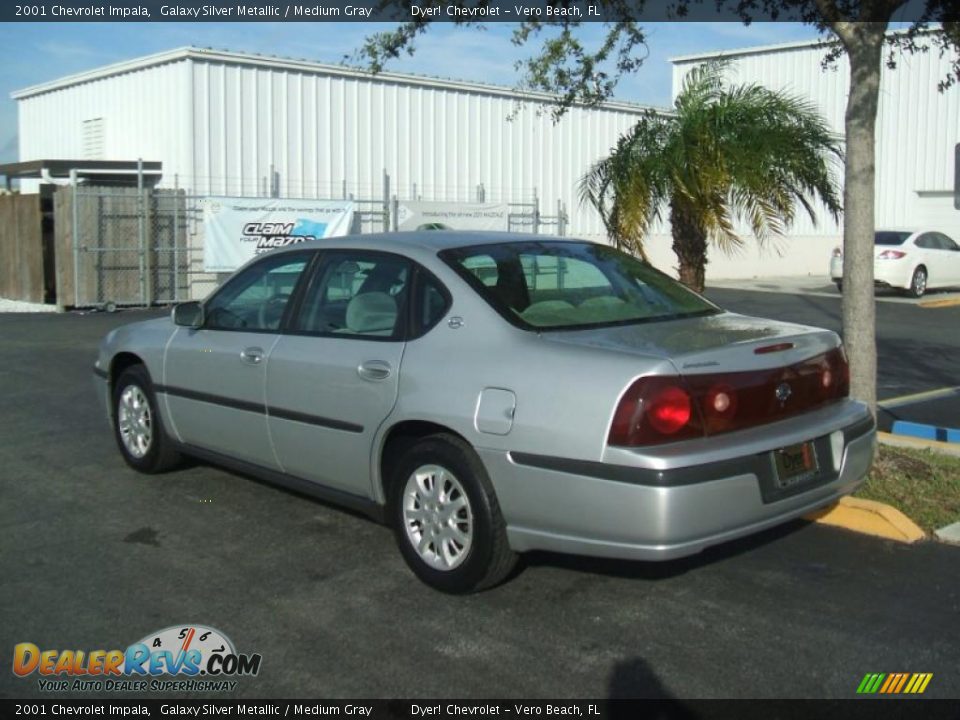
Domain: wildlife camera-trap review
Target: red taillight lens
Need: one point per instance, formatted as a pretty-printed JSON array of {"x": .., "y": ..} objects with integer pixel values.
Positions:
[
  {"x": 655, "y": 410},
  {"x": 670, "y": 410},
  {"x": 663, "y": 409},
  {"x": 891, "y": 255}
]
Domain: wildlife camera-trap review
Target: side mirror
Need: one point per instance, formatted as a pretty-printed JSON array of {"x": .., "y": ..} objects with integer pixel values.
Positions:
[{"x": 188, "y": 314}]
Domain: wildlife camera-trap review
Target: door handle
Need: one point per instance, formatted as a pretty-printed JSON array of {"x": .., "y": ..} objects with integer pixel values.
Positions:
[
  {"x": 374, "y": 370},
  {"x": 251, "y": 355}
]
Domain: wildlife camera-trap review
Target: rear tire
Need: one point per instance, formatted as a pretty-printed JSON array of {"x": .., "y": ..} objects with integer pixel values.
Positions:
[
  {"x": 446, "y": 517},
  {"x": 137, "y": 426},
  {"x": 918, "y": 283},
  {"x": 839, "y": 284}
]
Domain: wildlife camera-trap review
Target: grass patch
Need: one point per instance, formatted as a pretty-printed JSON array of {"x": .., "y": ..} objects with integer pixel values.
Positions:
[{"x": 923, "y": 485}]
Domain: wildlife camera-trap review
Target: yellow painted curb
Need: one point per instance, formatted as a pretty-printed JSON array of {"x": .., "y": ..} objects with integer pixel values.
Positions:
[
  {"x": 906, "y": 441},
  {"x": 943, "y": 302},
  {"x": 871, "y": 518}
]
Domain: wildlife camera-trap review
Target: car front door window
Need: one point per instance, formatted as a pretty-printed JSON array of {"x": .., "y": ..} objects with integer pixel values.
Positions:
[{"x": 255, "y": 300}]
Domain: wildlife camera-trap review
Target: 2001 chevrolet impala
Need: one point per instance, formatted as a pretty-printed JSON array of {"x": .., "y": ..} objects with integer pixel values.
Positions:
[{"x": 488, "y": 394}]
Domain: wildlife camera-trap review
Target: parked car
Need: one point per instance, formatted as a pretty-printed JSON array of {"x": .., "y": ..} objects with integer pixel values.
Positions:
[
  {"x": 911, "y": 260},
  {"x": 487, "y": 394}
]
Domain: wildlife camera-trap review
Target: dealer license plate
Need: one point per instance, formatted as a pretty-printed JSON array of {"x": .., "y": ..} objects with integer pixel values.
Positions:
[{"x": 795, "y": 464}]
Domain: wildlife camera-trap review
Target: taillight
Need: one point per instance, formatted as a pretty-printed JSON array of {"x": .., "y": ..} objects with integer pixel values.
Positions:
[
  {"x": 669, "y": 410},
  {"x": 661, "y": 409},
  {"x": 837, "y": 252},
  {"x": 891, "y": 255},
  {"x": 655, "y": 410}
]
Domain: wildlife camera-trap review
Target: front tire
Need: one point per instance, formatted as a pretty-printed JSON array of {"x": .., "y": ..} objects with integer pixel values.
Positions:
[
  {"x": 918, "y": 283},
  {"x": 137, "y": 426},
  {"x": 446, "y": 517}
]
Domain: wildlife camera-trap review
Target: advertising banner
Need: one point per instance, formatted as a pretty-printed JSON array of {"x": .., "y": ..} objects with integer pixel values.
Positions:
[
  {"x": 421, "y": 215},
  {"x": 236, "y": 229}
]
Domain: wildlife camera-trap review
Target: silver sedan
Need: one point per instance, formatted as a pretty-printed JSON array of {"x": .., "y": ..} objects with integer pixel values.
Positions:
[{"x": 488, "y": 394}]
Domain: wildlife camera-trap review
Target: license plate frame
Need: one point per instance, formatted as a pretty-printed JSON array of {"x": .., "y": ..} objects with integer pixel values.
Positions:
[{"x": 795, "y": 465}]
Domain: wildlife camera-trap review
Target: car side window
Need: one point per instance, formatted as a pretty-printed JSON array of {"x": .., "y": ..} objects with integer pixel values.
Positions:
[
  {"x": 256, "y": 299},
  {"x": 926, "y": 242},
  {"x": 433, "y": 301},
  {"x": 946, "y": 243},
  {"x": 356, "y": 293}
]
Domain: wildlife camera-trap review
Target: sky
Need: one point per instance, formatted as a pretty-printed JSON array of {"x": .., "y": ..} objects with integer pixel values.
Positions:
[{"x": 40, "y": 52}]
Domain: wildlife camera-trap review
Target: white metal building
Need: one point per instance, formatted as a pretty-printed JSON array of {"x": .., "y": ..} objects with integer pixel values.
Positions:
[
  {"x": 227, "y": 123},
  {"x": 917, "y": 129}
]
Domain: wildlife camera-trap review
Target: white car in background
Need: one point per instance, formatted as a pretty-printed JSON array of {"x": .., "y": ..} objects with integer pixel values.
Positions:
[{"x": 910, "y": 260}]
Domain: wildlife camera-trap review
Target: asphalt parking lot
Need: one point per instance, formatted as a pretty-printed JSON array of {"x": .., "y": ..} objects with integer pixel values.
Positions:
[{"x": 94, "y": 556}]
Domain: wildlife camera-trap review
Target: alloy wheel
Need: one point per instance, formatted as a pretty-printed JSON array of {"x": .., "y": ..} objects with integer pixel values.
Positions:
[
  {"x": 134, "y": 421},
  {"x": 437, "y": 517}
]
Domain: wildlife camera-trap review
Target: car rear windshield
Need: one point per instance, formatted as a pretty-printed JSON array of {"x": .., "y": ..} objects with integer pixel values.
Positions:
[
  {"x": 889, "y": 237},
  {"x": 560, "y": 285}
]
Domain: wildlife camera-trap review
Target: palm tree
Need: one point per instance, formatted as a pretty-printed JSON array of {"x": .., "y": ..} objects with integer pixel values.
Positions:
[{"x": 725, "y": 156}]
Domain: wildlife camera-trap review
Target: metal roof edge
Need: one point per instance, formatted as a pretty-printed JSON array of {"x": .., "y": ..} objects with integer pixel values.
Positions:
[
  {"x": 119, "y": 68},
  {"x": 755, "y": 50},
  {"x": 777, "y": 47},
  {"x": 228, "y": 56}
]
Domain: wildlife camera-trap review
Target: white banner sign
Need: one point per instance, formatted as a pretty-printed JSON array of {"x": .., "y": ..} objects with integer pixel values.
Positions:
[
  {"x": 420, "y": 215},
  {"x": 237, "y": 229}
]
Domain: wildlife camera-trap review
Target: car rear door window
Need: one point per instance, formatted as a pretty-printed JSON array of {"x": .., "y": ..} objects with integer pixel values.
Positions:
[
  {"x": 945, "y": 243},
  {"x": 356, "y": 293}
]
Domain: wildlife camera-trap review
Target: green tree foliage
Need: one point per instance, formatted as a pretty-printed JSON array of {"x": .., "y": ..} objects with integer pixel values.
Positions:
[{"x": 727, "y": 155}]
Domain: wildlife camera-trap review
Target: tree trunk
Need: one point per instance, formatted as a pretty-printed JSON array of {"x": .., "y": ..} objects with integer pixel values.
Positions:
[
  {"x": 859, "y": 307},
  {"x": 690, "y": 246}
]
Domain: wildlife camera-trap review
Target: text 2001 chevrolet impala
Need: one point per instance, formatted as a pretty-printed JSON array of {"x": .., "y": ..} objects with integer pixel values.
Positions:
[{"x": 488, "y": 394}]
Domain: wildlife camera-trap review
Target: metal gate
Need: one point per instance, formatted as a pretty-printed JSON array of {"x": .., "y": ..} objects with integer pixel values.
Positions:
[{"x": 129, "y": 246}]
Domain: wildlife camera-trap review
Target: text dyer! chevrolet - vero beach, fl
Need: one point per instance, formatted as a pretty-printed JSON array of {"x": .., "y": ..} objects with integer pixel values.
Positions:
[{"x": 488, "y": 394}]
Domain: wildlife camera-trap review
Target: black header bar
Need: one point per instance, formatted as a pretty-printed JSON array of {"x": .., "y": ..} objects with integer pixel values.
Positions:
[
  {"x": 872, "y": 708},
  {"x": 428, "y": 10}
]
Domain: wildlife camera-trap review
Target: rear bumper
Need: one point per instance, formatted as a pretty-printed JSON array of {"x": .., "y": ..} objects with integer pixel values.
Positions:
[
  {"x": 886, "y": 273},
  {"x": 665, "y": 512}
]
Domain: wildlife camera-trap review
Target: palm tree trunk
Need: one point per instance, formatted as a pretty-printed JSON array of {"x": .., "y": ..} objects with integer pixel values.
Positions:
[{"x": 690, "y": 246}]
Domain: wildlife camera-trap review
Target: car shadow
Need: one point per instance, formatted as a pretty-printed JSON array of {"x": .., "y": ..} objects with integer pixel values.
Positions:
[
  {"x": 658, "y": 570},
  {"x": 191, "y": 462},
  {"x": 633, "y": 679}
]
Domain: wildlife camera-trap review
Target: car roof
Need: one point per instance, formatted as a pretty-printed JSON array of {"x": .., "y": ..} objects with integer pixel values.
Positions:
[{"x": 435, "y": 240}]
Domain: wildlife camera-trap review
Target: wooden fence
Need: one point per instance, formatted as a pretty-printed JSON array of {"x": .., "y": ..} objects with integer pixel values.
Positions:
[{"x": 21, "y": 248}]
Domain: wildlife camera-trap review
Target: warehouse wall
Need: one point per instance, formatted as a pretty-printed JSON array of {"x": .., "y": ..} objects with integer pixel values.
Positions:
[
  {"x": 317, "y": 129},
  {"x": 144, "y": 112}
]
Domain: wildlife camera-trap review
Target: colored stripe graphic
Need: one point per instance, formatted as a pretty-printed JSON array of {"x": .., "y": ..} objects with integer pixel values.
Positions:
[{"x": 894, "y": 683}]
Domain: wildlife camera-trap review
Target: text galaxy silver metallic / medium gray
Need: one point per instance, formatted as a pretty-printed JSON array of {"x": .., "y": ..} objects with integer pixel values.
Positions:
[{"x": 488, "y": 394}]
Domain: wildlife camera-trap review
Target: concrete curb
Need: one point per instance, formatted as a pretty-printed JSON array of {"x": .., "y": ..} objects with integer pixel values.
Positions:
[
  {"x": 906, "y": 441},
  {"x": 943, "y": 302},
  {"x": 871, "y": 518},
  {"x": 949, "y": 534}
]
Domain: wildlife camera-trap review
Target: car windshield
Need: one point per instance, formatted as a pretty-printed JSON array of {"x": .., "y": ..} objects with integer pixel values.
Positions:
[
  {"x": 572, "y": 285},
  {"x": 890, "y": 237}
]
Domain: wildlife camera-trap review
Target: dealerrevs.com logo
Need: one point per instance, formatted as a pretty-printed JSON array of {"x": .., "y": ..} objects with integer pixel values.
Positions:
[{"x": 179, "y": 658}]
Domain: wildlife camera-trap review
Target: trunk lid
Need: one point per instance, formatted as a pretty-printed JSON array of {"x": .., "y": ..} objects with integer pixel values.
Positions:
[{"x": 727, "y": 342}]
